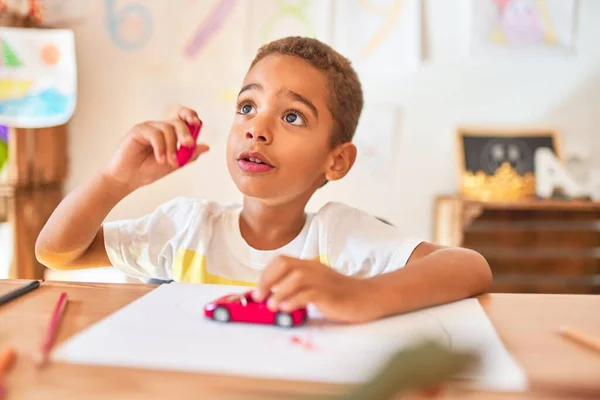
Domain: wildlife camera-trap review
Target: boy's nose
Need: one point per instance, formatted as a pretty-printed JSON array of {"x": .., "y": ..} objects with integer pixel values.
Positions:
[
  {"x": 260, "y": 129},
  {"x": 263, "y": 137}
]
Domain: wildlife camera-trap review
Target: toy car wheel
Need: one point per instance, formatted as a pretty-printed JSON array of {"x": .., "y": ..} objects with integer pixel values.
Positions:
[
  {"x": 284, "y": 320},
  {"x": 221, "y": 314}
]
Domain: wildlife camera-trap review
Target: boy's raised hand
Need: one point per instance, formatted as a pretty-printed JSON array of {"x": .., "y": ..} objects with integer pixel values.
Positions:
[
  {"x": 149, "y": 151},
  {"x": 290, "y": 283}
]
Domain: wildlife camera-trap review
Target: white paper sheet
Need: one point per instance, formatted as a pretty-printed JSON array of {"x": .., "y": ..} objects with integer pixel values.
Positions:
[{"x": 166, "y": 329}]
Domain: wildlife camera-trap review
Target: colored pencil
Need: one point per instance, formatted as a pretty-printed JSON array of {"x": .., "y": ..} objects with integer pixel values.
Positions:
[
  {"x": 19, "y": 292},
  {"x": 52, "y": 329},
  {"x": 7, "y": 358},
  {"x": 590, "y": 341}
]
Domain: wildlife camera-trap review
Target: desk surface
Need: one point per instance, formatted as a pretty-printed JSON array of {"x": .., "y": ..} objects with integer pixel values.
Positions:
[{"x": 525, "y": 322}]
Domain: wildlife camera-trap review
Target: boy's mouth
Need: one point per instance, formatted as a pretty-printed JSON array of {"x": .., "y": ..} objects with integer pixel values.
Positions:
[{"x": 254, "y": 163}]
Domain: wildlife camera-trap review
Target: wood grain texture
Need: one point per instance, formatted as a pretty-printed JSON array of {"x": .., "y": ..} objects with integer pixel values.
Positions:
[
  {"x": 37, "y": 156},
  {"x": 28, "y": 212},
  {"x": 526, "y": 323},
  {"x": 36, "y": 168},
  {"x": 534, "y": 246}
]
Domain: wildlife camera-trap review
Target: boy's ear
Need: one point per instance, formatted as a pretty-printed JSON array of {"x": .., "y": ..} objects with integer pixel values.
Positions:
[{"x": 341, "y": 160}]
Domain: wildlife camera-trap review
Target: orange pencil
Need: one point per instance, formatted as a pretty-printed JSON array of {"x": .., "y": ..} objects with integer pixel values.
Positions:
[
  {"x": 590, "y": 341},
  {"x": 7, "y": 357},
  {"x": 52, "y": 329}
]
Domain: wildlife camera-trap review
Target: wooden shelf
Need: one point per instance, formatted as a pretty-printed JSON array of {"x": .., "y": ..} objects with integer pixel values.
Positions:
[
  {"x": 6, "y": 190},
  {"x": 524, "y": 226},
  {"x": 531, "y": 246},
  {"x": 37, "y": 157},
  {"x": 37, "y": 167},
  {"x": 533, "y": 204}
]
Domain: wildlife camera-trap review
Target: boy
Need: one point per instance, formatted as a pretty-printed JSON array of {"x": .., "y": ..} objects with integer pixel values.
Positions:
[{"x": 296, "y": 114}]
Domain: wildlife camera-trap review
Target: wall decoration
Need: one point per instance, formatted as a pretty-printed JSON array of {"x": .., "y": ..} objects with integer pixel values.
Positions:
[
  {"x": 541, "y": 25},
  {"x": 211, "y": 25},
  {"x": 129, "y": 27},
  {"x": 381, "y": 38},
  {"x": 38, "y": 77},
  {"x": 499, "y": 164},
  {"x": 274, "y": 19},
  {"x": 375, "y": 140}
]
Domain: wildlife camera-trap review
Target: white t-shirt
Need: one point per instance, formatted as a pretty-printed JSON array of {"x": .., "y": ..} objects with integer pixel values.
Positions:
[{"x": 190, "y": 240}]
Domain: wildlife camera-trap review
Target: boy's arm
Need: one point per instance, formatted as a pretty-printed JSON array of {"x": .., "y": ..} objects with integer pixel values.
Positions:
[
  {"x": 73, "y": 236},
  {"x": 433, "y": 275}
]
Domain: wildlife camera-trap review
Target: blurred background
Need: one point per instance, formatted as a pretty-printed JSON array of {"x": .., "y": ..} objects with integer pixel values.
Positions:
[{"x": 459, "y": 94}]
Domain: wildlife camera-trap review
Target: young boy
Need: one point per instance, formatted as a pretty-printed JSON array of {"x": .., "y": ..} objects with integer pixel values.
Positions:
[{"x": 296, "y": 114}]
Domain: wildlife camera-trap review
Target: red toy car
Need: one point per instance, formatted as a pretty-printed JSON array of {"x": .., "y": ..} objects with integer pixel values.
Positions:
[{"x": 242, "y": 308}]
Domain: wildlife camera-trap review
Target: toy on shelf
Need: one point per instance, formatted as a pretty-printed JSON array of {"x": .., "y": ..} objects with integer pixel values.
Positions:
[{"x": 242, "y": 308}]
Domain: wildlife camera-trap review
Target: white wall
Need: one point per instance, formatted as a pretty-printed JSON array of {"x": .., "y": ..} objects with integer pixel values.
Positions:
[{"x": 119, "y": 88}]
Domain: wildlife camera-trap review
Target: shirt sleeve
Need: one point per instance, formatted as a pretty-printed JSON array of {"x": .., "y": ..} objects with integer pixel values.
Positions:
[
  {"x": 362, "y": 245},
  {"x": 145, "y": 247}
]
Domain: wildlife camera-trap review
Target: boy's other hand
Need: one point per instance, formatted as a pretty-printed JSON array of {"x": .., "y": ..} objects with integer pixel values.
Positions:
[
  {"x": 291, "y": 283},
  {"x": 149, "y": 151}
]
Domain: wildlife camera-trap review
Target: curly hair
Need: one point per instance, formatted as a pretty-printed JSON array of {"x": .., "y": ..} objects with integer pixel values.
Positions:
[{"x": 345, "y": 91}]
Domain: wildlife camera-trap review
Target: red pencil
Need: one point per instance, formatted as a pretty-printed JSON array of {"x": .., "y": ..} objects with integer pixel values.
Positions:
[{"x": 52, "y": 329}]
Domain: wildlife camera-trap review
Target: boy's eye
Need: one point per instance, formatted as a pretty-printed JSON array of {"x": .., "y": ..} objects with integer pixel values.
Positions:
[
  {"x": 294, "y": 118},
  {"x": 246, "y": 109}
]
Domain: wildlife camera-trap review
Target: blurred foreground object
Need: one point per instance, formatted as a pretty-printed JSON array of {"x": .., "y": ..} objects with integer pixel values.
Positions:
[{"x": 421, "y": 367}]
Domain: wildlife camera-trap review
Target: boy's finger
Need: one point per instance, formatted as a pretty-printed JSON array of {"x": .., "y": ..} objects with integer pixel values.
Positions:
[
  {"x": 175, "y": 110},
  {"x": 183, "y": 133},
  {"x": 278, "y": 268},
  {"x": 289, "y": 286},
  {"x": 300, "y": 299},
  {"x": 157, "y": 141},
  {"x": 188, "y": 115},
  {"x": 170, "y": 136}
]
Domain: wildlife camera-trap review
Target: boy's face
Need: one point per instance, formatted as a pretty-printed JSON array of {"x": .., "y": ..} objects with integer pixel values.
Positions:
[{"x": 280, "y": 140}]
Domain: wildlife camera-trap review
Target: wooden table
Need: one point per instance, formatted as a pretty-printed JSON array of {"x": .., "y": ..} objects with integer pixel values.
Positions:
[{"x": 525, "y": 322}]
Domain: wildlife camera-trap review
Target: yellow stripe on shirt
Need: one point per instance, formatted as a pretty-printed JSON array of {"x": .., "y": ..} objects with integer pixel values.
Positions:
[{"x": 190, "y": 267}]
